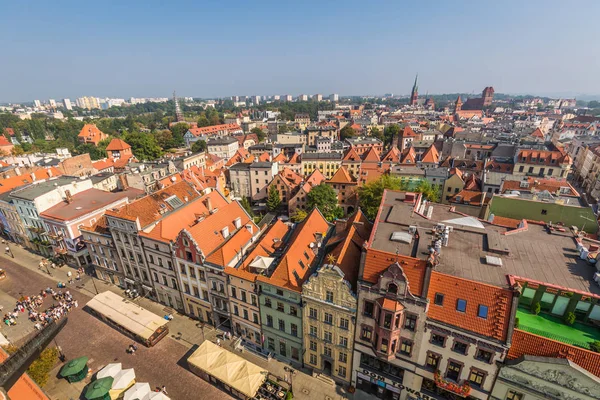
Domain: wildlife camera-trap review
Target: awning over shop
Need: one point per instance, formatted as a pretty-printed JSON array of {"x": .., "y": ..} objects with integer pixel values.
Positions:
[{"x": 231, "y": 369}]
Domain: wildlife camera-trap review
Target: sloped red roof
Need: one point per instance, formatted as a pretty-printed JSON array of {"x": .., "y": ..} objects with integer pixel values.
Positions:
[
  {"x": 117, "y": 145},
  {"x": 377, "y": 261},
  {"x": 351, "y": 155},
  {"x": 431, "y": 155},
  {"x": 341, "y": 176},
  {"x": 371, "y": 155},
  {"x": 476, "y": 294},
  {"x": 408, "y": 132},
  {"x": 525, "y": 343}
]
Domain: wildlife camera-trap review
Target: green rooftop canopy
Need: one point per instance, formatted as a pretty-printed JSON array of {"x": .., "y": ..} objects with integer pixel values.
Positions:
[
  {"x": 74, "y": 368},
  {"x": 99, "y": 389}
]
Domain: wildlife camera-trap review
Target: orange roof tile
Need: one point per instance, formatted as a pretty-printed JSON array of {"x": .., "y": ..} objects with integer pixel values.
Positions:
[
  {"x": 538, "y": 133},
  {"x": 496, "y": 299},
  {"x": 117, "y": 145},
  {"x": 4, "y": 141},
  {"x": 431, "y": 155},
  {"x": 316, "y": 178},
  {"x": 92, "y": 134},
  {"x": 294, "y": 159},
  {"x": 409, "y": 156},
  {"x": 216, "y": 129},
  {"x": 408, "y": 132},
  {"x": 389, "y": 304},
  {"x": 351, "y": 155},
  {"x": 372, "y": 156},
  {"x": 8, "y": 184},
  {"x": 393, "y": 155},
  {"x": 377, "y": 261},
  {"x": 525, "y": 343},
  {"x": 152, "y": 207},
  {"x": 295, "y": 263},
  {"x": 169, "y": 227},
  {"x": 264, "y": 157},
  {"x": 468, "y": 197},
  {"x": 341, "y": 176},
  {"x": 506, "y": 222},
  {"x": 544, "y": 157},
  {"x": 540, "y": 184},
  {"x": 103, "y": 164},
  {"x": 280, "y": 158},
  {"x": 265, "y": 246}
]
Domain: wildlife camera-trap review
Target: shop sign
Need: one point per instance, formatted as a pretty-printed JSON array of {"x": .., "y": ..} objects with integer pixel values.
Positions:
[{"x": 391, "y": 385}]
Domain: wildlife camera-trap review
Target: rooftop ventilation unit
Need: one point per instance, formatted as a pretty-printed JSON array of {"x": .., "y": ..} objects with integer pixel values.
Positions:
[
  {"x": 402, "y": 237},
  {"x": 495, "y": 261}
]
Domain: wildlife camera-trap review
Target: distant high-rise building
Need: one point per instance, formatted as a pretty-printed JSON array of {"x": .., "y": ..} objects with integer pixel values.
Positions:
[
  {"x": 334, "y": 97},
  {"x": 276, "y": 97},
  {"x": 318, "y": 97},
  {"x": 256, "y": 99},
  {"x": 87, "y": 102},
  {"x": 235, "y": 98},
  {"x": 288, "y": 97},
  {"x": 52, "y": 103},
  {"x": 67, "y": 104},
  {"x": 37, "y": 104},
  {"x": 414, "y": 94},
  {"x": 303, "y": 97}
]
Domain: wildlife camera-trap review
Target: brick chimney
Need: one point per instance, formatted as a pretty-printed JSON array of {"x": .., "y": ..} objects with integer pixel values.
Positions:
[
  {"x": 123, "y": 181},
  {"x": 68, "y": 197}
]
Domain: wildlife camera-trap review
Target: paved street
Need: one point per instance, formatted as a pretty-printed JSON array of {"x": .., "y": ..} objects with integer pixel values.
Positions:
[
  {"x": 163, "y": 364},
  {"x": 87, "y": 335}
]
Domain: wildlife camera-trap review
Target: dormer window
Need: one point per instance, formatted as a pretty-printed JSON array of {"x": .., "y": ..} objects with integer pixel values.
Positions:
[{"x": 392, "y": 288}]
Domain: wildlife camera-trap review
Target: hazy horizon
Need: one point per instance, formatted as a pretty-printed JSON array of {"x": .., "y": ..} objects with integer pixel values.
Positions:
[{"x": 148, "y": 49}]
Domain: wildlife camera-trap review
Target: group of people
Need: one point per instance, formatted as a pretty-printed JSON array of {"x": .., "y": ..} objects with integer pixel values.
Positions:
[
  {"x": 78, "y": 277},
  {"x": 31, "y": 304}
]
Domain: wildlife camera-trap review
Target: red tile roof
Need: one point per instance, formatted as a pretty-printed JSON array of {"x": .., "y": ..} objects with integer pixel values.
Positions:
[
  {"x": 92, "y": 134},
  {"x": 474, "y": 198},
  {"x": 538, "y": 133},
  {"x": 295, "y": 263},
  {"x": 5, "y": 142},
  {"x": 377, "y": 261},
  {"x": 408, "y": 132},
  {"x": 351, "y": 155},
  {"x": 8, "y": 184},
  {"x": 496, "y": 299},
  {"x": 541, "y": 184},
  {"x": 316, "y": 178},
  {"x": 117, "y": 145},
  {"x": 151, "y": 208},
  {"x": 9, "y": 131},
  {"x": 506, "y": 222},
  {"x": 341, "y": 176},
  {"x": 393, "y": 155},
  {"x": 525, "y": 343},
  {"x": 371, "y": 155},
  {"x": 544, "y": 157},
  {"x": 409, "y": 156},
  {"x": 431, "y": 155},
  {"x": 216, "y": 129}
]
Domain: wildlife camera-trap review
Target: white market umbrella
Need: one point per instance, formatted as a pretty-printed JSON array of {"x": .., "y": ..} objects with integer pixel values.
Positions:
[
  {"x": 110, "y": 370},
  {"x": 156, "y": 396},
  {"x": 123, "y": 379},
  {"x": 137, "y": 391}
]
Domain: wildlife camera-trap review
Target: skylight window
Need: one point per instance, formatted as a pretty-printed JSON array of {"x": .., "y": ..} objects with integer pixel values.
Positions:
[
  {"x": 174, "y": 201},
  {"x": 461, "y": 305},
  {"x": 482, "y": 311}
]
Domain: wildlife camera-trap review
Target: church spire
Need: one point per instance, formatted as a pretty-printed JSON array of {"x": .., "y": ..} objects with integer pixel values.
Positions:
[{"x": 414, "y": 94}]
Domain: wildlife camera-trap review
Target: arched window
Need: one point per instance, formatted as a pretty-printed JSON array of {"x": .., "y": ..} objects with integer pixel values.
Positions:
[{"x": 392, "y": 288}]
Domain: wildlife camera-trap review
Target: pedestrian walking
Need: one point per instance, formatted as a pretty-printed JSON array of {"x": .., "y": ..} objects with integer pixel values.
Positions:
[
  {"x": 164, "y": 389},
  {"x": 78, "y": 276},
  {"x": 218, "y": 342}
]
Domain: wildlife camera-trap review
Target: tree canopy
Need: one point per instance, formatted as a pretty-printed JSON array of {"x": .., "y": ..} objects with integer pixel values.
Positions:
[
  {"x": 199, "y": 146},
  {"x": 390, "y": 132},
  {"x": 273, "y": 199},
  {"x": 299, "y": 215},
  {"x": 144, "y": 146},
  {"x": 325, "y": 199},
  {"x": 347, "y": 132},
  {"x": 259, "y": 134}
]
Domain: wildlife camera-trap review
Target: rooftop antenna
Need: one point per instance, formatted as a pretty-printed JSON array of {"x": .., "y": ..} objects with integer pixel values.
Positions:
[{"x": 178, "y": 113}]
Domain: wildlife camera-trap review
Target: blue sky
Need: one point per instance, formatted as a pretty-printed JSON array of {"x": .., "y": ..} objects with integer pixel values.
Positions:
[{"x": 219, "y": 48}]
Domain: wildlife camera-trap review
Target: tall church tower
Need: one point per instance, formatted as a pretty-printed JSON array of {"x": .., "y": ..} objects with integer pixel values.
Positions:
[
  {"x": 458, "y": 104},
  {"x": 488, "y": 96},
  {"x": 414, "y": 94},
  {"x": 178, "y": 113}
]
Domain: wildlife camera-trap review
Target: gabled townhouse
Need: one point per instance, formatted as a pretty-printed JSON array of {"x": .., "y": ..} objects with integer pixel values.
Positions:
[
  {"x": 261, "y": 174},
  {"x": 63, "y": 221},
  {"x": 362, "y": 144},
  {"x": 143, "y": 214},
  {"x": 352, "y": 162},
  {"x": 300, "y": 199},
  {"x": 159, "y": 240},
  {"x": 101, "y": 246},
  {"x": 194, "y": 134},
  {"x": 202, "y": 252},
  {"x": 91, "y": 134},
  {"x": 330, "y": 302},
  {"x": 32, "y": 200},
  {"x": 243, "y": 289},
  {"x": 224, "y": 147},
  {"x": 287, "y": 183},
  {"x": 346, "y": 189},
  {"x": 280, "y": 292}
]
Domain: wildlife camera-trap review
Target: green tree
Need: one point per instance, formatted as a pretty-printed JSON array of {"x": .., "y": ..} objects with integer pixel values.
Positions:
[
  {"x": 283, "y": 129},
  {"x": 536, "y": 307},
  {"x": 298, "y": 216},
  {"x": 178, "y": 131},
  {"x": 246, "y": 204},
  {"x": 143, "y": 146},
  {"x": 164, "y": 138},
  {"x": 96, "y": 153},
  {"x": 595, "y": 346},
  {"x": 325, "y": 199},
  {"x": 376, "y": 133},
  {"x": 370, "y": 194},
  {"x": 39, "y": 370},
  {"x": 203, "y": 121},
  {"x": 273, "y": 199},
  {"x": 259, "y": 134},
  {"x": 199, "y": 146},
  {"x": 18, "y": 150},
  {"x": 347, "y": 132},
  {"x": 431, "y": 192},
  {"x": 594, "y": 104},
  {"x": 390, "y": 132}
]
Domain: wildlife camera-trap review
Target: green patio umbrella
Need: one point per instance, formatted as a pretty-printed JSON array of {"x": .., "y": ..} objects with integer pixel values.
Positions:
[
  {"x": 98, "y": 390},
  {"x": 75, "y": 370}
]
